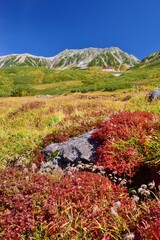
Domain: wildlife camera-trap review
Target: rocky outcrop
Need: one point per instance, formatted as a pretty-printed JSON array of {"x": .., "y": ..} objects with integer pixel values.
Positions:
[
  {"x": 77, "y": 154},
  {"x": 154, "y": 95}
]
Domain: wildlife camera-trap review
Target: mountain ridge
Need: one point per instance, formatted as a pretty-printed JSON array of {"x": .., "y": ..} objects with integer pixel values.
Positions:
[
  {"x": 151, "y": 59},
  {"x": 73, "y": 58}
]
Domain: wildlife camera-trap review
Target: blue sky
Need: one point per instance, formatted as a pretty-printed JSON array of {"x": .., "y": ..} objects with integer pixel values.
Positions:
[{"x": 46, "y": 27}]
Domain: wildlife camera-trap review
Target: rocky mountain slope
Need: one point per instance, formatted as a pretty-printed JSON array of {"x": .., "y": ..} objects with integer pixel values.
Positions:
[
  {"x": 82, "y": 58},
  {"x": 152, "y": 59},
  {"x": 23, "y": 60}
]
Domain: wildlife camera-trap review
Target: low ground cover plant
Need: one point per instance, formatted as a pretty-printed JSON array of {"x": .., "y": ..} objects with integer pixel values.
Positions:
[
  {"x": 79, "y": 206},
  {"x": 23, "y": 202},
  {"x": 147, "y": 225},
  {"x": 127, "y": 141}
]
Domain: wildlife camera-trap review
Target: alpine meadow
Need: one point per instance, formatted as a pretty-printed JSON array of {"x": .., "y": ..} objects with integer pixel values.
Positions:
[{"x": 80, "y": 146}]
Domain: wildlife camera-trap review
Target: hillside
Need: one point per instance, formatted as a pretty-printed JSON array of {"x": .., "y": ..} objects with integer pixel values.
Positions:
[
  {"x": 73, "y": 59},
  {"x": 152, "y": 59}
]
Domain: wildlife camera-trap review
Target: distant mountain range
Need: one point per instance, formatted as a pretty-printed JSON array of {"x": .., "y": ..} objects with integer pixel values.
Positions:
[{"x": 83, "y": 58}]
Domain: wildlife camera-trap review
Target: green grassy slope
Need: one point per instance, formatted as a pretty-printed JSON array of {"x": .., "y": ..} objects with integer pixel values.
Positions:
[{"x": 23, "y": 81}]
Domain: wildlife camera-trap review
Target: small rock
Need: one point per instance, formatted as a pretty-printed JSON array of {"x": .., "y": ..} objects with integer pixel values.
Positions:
[
  {"x": 154, "y": 95},
  {"x": 119, "y": 179},
  {"x": 114, "y": 180}
]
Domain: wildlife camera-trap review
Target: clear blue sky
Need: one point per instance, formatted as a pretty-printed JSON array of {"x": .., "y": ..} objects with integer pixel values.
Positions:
[{"x": 46, "y": 27}]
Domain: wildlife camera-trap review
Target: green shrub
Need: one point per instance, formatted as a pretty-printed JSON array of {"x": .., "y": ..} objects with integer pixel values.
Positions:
[
  {"x": 115, "y": 86},
  {"x": 21, "y": 91}
]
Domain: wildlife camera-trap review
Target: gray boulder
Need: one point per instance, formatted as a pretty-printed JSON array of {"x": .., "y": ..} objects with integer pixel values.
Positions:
[
  {"x": 154, "y": 94},
  {"x": 72, "y": 154}
]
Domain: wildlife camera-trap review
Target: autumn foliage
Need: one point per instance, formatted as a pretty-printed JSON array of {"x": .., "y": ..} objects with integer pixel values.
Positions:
[
  {"x": 79, "y": 206},
  {"x": 85, "y": 205},
  {"x": 127, "y": 141},
  {"x": 147, "y": 225}
]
